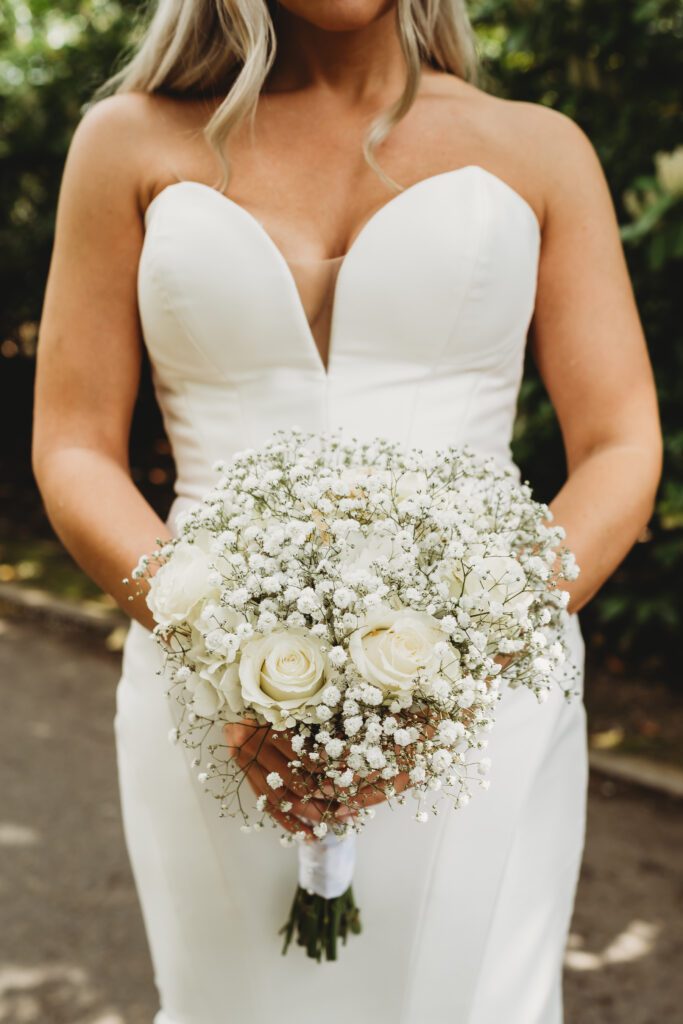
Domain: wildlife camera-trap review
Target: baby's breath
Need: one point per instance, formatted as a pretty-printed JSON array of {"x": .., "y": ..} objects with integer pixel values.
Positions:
[{"x": 372, "y": 602}]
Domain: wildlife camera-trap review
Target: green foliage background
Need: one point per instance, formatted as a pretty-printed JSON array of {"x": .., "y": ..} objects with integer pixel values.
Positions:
[{"x": 615, "y": 66}]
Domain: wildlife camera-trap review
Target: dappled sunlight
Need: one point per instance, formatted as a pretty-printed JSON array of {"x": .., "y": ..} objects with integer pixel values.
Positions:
[
  {"x": 636, "y": 941},
  {"x": 114, "y": 640},
  {"x": 28, "y": 994},
  {"x": 40, "y": 730},
  {"x": 12, "y": 834}
]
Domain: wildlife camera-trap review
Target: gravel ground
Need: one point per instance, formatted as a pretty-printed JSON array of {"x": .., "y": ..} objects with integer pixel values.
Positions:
[{"x": 72, "y": 949}]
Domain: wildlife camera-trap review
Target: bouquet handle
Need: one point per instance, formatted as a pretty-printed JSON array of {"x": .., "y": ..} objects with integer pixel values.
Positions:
[
  {"x": 326, "y": 865},
  {"x": 324, "y": 909}
]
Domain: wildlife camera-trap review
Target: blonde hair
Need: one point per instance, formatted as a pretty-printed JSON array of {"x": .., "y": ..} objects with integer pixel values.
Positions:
[{"x": 201, "y": 47}]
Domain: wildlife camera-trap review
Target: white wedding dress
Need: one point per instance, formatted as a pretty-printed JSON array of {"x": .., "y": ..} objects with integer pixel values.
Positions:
[{"x": 465, "y": 918}]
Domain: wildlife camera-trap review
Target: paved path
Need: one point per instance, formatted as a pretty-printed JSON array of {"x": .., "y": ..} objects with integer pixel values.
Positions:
[{"x": 72, "y": 950}]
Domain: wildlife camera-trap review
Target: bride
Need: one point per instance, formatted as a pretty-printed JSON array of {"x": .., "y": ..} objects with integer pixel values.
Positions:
[{"x": 340, "y": 230}]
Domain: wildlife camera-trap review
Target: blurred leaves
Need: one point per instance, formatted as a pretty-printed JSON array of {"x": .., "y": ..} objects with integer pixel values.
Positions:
[{"x": 51, "y": 60}]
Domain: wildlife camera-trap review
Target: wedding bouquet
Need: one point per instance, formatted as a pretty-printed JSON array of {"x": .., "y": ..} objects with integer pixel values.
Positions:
[{"x": 359, "y": 603}]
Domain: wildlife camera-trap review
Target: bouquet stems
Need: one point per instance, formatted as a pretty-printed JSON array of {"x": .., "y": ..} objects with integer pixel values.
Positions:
[{"x": 320, "y": 922}]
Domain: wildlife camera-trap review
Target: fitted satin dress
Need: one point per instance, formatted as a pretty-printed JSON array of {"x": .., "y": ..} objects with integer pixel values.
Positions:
[{"x": 465, "y": 918}]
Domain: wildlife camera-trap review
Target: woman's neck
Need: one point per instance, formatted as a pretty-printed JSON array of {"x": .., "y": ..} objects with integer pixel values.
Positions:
[{"x": 357, "y": 65}]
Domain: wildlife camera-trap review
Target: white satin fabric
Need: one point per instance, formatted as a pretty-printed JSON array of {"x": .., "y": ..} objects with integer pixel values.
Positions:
[{"x": 465, "y": 918}]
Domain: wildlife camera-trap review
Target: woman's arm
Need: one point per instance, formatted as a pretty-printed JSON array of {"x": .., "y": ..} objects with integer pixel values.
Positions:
[
  {"x": 88, "y": 374},
  {"x": 89, "y": 354},
  {"x": 588, "y": 343}
]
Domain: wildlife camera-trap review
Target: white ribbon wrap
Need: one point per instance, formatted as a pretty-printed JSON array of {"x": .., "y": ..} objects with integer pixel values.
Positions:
[{"x": 326, "y": 866}]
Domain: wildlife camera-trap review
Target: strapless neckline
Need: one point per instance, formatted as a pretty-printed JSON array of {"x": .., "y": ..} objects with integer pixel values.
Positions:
[
  {"x": 342, "y": 262},
  {"x": 337, "y": 264}
]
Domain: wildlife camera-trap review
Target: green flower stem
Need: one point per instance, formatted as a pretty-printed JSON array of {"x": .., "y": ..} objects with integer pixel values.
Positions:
[{"x": 319, "y": 923}]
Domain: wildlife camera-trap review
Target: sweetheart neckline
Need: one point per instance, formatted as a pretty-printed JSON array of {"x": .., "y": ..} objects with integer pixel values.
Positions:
[
  {"x": 383, "y": 210},
  {"x": 329, "y": 259}
]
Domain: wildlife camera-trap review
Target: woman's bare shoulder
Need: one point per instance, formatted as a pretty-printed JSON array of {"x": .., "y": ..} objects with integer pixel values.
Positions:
[
  {"x": 111, "y": 141},
  {"x": 550, "y": 135},
  {"x": 555, "y": 150},
  {"x": 514, "y": 122},
  {"x": 121, "y": 122},
  {"x": 535, "y": 148},
  {"x": 566, "y": 166},
  {"x": 119, "y": 140}
]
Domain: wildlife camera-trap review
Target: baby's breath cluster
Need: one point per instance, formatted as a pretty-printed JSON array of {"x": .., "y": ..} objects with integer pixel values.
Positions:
[{"x": 366, "y": 600}]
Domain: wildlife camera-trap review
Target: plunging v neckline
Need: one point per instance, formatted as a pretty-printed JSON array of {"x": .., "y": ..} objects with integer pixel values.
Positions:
[
  {"x": 324, "y": 367},
  {"x": 344, "y": 259},
  {"x": 316, "y": 281}
]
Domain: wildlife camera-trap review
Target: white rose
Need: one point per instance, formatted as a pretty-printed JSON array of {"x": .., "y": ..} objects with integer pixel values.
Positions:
[
  {"x": 206, "y": 699},
  {"x": 360, "y": 550},
  {"x": 228, "y": 684},
  {"x": 200, "y": 652},
  {"x": 216, "y": 668},
  {"x": 391, "y": 647},
  {"x": 282, "y": 671},
  {"x": 502, "y": 578},
  {"x": 452, "y": 572},
  {"x": 178, "y": 587}
]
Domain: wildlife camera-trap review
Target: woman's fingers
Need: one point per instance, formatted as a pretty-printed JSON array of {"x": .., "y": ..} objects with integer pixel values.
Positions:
[
  {"x": 265, "y": 760},
  {"x": 327, "y": 788},
  {"x": 281, "y": 740},
  {"x": 257, "y": 741},
  {"x": 369, "y": 795},
  {"x": 260, "y": 750},
  {"x": 287, "y": 819},
  {"x": 239, "y": 734},
  {"x": 246, "y": 743},
  {"x": 272, "y": 759}
]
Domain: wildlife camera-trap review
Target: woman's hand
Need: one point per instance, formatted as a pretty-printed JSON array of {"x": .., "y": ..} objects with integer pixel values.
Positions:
[
  {"x": 372, "y": 791},
  {"x": 260, "y": 750}
]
